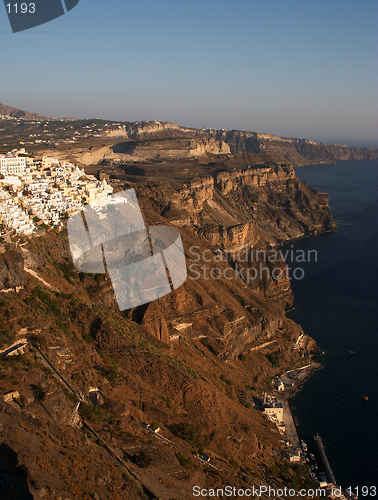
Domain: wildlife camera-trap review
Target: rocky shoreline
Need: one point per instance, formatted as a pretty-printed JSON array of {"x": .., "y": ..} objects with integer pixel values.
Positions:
[{"x": 288, "y": 385}]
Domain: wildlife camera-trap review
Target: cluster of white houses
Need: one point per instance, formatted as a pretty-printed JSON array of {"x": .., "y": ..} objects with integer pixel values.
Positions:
[
  {"x": 12, "y": 217},
  {"x": 43, "y": 190}
]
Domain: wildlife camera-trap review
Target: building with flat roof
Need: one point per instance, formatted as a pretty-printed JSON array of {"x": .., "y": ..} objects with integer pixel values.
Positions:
[
  {"x": 273, "y": 409},
  {"x": 12, "y": 165}
]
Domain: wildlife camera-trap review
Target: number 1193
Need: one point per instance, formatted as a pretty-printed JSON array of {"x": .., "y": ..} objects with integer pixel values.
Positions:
[
  {"x": 364, "y": 491},
  {"x": 22, "y": 8}
]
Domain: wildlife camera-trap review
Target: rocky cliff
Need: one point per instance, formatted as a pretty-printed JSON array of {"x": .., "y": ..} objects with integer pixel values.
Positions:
[
  {"x": 77, "y": 400},
  {"x": 192, "y": 361},
  {"x": 152, "y": 130},
  {"x": 295, "y": 151},
  {"x": 194, "y": 387},
  {"x": 266, "y": 201},
  {"x": 224, "y": 213},
  {"x": 123, "y": 142},
  {"x": 11, "y": 270},
  {"x": 156, "y": 141}
]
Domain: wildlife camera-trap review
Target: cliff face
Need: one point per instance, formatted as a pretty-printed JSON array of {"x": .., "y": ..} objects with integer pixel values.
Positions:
[
  {"x": 194, "y": 385},
  {"x": 231, "y": 212},
  {"x": 223, "y": 215},
  {"x": 169, "y": 149},
  {"x": 11, "y": 270},
  {"x": 238, "y": 207},
  {"x": 192, "y": 361},
  {"x": 161, "y": 142},
  {"x": 152, "y": 130},
  {"x": 295, "y": 151},
  {"x": 256, "y": 177}
]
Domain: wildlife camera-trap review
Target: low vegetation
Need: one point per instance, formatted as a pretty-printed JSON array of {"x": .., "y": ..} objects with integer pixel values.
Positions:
[
  {"x": 274, "y": 359},
  {"x": 91, "y": 413},
  {"x": 39, "y": 393},
  {"x": 184, "y": 462},
  {"x": 142, "y": 459}
]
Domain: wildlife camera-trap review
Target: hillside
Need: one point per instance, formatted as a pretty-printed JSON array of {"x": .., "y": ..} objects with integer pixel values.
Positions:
[
  {"x": 8, "y": 111},
  {"x": 91, "y": 142},
  {"x": 192, "y": 361},
  {"x": 164, "y": 142}
]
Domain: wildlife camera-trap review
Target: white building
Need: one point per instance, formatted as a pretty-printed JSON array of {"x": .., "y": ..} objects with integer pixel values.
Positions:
[
  {"x": 273, "y": 409},
  {"x": 13, "y": 217},
  {"x": 11, "y": 180},
  {"x": 49, "y": 193},
  {"x": 279, "y": 385},
  {"x": 295, "y": 456},
  {"x": 12, "y": 165}
]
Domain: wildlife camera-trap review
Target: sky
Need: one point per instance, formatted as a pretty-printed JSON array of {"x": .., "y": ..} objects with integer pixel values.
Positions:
[{"x": 285, "y": 67}]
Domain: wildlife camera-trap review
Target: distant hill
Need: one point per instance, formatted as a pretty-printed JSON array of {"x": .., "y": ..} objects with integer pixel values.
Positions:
[
  {"x": 150, "y": 142},
  {"x": 8, "y": 111}
]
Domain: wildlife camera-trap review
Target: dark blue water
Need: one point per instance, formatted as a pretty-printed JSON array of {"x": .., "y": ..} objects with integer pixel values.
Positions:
[{"x": 337, "y": 305}]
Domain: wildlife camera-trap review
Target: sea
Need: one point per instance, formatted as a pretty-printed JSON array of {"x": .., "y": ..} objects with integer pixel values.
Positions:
[{"x": 336, "y": 303}]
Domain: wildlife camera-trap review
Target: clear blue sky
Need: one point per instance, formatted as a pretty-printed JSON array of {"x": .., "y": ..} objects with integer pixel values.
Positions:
[{"x": 286, "y": 67}]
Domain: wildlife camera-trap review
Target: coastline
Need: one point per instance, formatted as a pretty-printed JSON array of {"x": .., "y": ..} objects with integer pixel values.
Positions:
[
  {"x": 328, "y": 313},
  {"x": 296, "y": 447},
  {"x": 293, "y": 380}
]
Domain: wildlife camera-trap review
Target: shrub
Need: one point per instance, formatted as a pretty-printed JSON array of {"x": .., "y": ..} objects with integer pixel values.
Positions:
[
  {"x": 154, "y": 425},
  {"x": 127, "y": 435},
  {"x": 274, "y": 359},
  {"x": 226, "y": 380},
  {"x": 95, "y": 327},
  {"x": 51, "y": 304},
  {"x": 68, "y": 270},
  {"x": 6, "y": 337},
  {"x": 100, "y": 352},
  {"x": 24, "y": 360},
  {"x": 113, "y": 420},
  {"x": 141, "y": 459},
  {"x": 184, "y": 462},
  {"x": 170, "y": 404},
  {"x": 38, "y": 393},
  {"x": 112, "y": 375},
  {"x": 191, "y": 434},
  {"x": 91, "y": 413}
]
